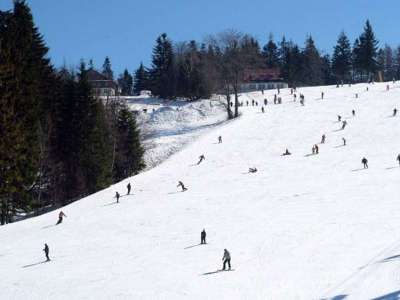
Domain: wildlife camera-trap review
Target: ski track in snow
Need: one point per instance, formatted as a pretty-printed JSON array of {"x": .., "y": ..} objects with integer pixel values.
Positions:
[{"x": 303, "y": 227}]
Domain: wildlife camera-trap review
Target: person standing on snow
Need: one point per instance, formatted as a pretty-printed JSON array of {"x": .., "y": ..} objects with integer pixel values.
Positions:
[
  {"x": 220, "y": 140},
  {"x": 201, "y": 158},
  {"x": 60, "y": 217},
  {"x": 344, "y": 141},
  {"x": 353, "y": 112},
  {"x": 180, "y": 184},
  {"x": 46, "y": 252},
  {"x": 262, "y": 109},
  {"x": 394, "y": 112},
  {"x": 364, "y": 161},
  {"x": 129, "y": 188},
  {"x": 226, "y": 260},
  {"x": 339, "y": 118},
  {"x": 398, "y": 159},
  {"x": 323, "y": 139},
  {"x": 344, "y": 123},
  {"x": 203, "y": 237},
  {"x": 117, "y": 195}
]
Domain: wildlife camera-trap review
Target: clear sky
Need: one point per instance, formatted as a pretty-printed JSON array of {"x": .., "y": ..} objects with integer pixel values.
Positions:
[{"x": 126, "y": 30}]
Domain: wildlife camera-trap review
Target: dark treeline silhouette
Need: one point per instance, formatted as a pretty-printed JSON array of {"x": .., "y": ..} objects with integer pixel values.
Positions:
[{"x": 58, "y": 142}]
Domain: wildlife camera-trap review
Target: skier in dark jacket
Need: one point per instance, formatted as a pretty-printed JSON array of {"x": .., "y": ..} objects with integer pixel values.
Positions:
[
  {"x": 129, "y": 188},
  {"x": 286, "y": 152},
  {"x": 398, "y": 159},
  {"x": 316, "y": 149},
  {"x": 201, "y": 158},
  {"x": 344, "y": 141},
  {"x": 339, "y": 118},
  {"x": 364, "y": 161},
  {"x": 226, "y": 260},
  {"x": 203, "y": 237},
  {"x": 220, "y": 140},
  {"x": 60, "y": 217},
  {"x": 180, "y": 184},
  {"x": 353, "y": 112},
  {"x": 46, "y": 252},
  {"x": 394, "y": 112},
  {"x": 262, "y": 109},
  {"x": 323, "y": 139},
  {"x": 344, "y": 124},
  {"x": 117, "y": 195}
]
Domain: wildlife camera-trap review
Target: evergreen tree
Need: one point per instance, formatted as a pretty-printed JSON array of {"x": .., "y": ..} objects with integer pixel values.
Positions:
[
  {"x": 162, "y": 73},
  {"x": 125, "y": 82},
  {"x": 270, "y": 53},
  {"x": 107, "y": 71},
  {"x": 342, "y": 58},
  {"x": 141, "y": 81},
  {"x": 312, "y": 64}
]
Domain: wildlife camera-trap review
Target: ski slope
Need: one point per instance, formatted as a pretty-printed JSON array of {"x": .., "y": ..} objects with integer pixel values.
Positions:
[{"x": 303, "y": 227}]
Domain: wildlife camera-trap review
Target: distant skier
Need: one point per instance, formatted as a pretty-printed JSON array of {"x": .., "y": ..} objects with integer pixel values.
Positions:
[
  {"x": 323, "y": 139},
  {"x": 180, "y": 184},
  {"x": 322, "y": 95},
  {"x": 357, "y": 95},
  {"x": 294, "y": 97},
  {"x": 203, "y": 237},
  {"x": 46, "y": 252},
  {"x": 60, "y": 217},
  {"x": 344, "y": 124},
  {"x": 387, "y": 87},
  {"x": 262, "y": 109},
  {"x": 394, "y": 112},
  {"x": 226, "y": 260},
  {"x": 201, "y": 158},
  {"x": 353, "y": 112},
  {"x": 220, "y": 140},
  {"x": 247, "y": 103},
  {"x": 252, "y": 170},
  {"x": 316, "y": 149},
  {"x": 129, "y": 188},
  {"x": 398, "y": 159},
  {"x": 364, "y": 161},
  {"x": 344, "y": 141},
  {"x": 339, "y": 118},
  {"x": 117, "y": 195},
  {"x": 279, "y": 90},
  {"x": 286, "y": 152},
  {"x": 265, "y": 101},
  {"x": 275, "y": 99}
]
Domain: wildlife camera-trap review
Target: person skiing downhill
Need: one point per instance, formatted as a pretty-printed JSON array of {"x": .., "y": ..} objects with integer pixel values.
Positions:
[
  {"x": 117, "y": 195},
  {"x": 262, "y": 109},
  {"x": 364, "y": 161},
  {"x": 394, "y": 112},
  {"x": 353, "y": 112},
  {"x": 226, "y": 260},
  {"x": 220, "y": 140},
  {"x": 203, "y": 237},
  {"x": 129, "y": 188},
  {"x": 60, "y": 217},
  {"x": 316, "y": 149},
  {"x": 323, "y": 139},
  {"x": 339, "y": 118},
  {"x": 398, "y": 159},
  {"x": 344, "y": 141},
  {"x": 344, "y": 124},
  {"x": 46, "y": 252},
  {"x": 322, "y": 95},
  {"x": 201, "y": 158},
  {"x": 180, "y": 184}
]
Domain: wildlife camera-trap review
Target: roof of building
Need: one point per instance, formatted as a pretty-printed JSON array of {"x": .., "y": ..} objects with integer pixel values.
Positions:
[{"x": 262, "y": 75}]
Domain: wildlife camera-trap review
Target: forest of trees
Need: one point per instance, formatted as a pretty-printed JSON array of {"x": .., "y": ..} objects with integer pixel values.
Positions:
[{"x": 58, "y": 143}]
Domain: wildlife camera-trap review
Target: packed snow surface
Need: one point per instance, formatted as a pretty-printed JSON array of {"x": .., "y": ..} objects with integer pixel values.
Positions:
[{"x": 303, "y": 227}]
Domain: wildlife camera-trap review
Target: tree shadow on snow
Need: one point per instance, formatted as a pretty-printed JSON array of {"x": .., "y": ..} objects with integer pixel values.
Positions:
[
  {"x": 36, "y": 264},
  {"x": 391, "y": 296}
]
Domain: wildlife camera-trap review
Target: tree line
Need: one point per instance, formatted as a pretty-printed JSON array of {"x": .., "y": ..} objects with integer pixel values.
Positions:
[{"x": 58, "y": 142}]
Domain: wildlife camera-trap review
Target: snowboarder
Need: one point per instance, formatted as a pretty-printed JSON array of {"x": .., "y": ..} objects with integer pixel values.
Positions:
[
  {"x": 286, "y": 152},
  {"x": 203, "y": 237},
  {"x": 262, "y": 109},
  {"x": 339, "y": 118},
  {"x": 220, "y": 140},
  {"x": 180, "y": 184},
  {"x": 398, "y": 159},
  {"x": 129, "y": 188},
  {"x": 364, "y": 161},
  {"x": 226, "y": 260},
  {"x": 394, "y": 112},
  {"x": 344, "y": 141},
  {"x": 201, "y": 158},
  {"x": 252, "y": 170},
  {"x": 46, "y": 252},
  {"x": 344, "y": 123},
  {"x": 60, "y": 217},
  {"x": 353, "y": 112},
  {"x": 117, "y": 195},
  {"x": 323, "y": 139}
]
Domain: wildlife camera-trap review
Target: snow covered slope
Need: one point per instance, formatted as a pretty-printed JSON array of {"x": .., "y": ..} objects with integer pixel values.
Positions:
[{"x": 303, "y": 227}]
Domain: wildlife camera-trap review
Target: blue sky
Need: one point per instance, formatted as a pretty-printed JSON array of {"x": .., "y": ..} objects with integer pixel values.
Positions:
[{"x": 126, "y": 30}]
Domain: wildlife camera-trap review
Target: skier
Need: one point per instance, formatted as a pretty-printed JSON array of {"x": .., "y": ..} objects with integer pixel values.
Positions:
[
  {"x": 387, "y": 87},
  {"x": 247, "y": 103},
  {"x": 344, "y": 123},
  {"x": 357, "y": 95},
  {"x": 279, "y": 100},
  {"x": 353, "y": 112},
  {"x": 286, "y": 152},
  {"x": 226, "y": 260},
  {"x": 322, "y": 95},
  {"x": 275, "y": 99},
  {"x": 394, "y": 112},
  {"x": 279, "y": 90},
  {"x": 364, "y": 161},
  {"x": 180, "y": 184},
  {"x": 265, "y": 101},
  {"x": 201, "y": 158},
  {"x": 398, "y": 159},
  {"x": 203, "y": 237},
  {"x": 344, "y": 141},
  {"x": 46, "y": 252},
  {"x": 220, "y": 140},
  {"x": 339, "y": 118},
  {"x": 117, "y": 196},
  {"x": 316, "y": 149},
  {"x": 60, "y": 217},
  {"x": 129, "y": 188},
  {"x": 313, "y": 149},
  {"x": 294, "y": 97},
  {"x": 323, "y": 139},
  {"x": 262, "y": 109},
  {"x": 252, "y": 170}
]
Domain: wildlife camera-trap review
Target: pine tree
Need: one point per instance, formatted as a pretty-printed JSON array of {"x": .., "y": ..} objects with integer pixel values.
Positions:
[
  {"x": 312, "y": 64},
  {"x": 341, "y": 60},
  {"x": 270, "y": 53},
  {"x": 162, "y": 73},
  {"x": 125, "y": 82},
  {"x": 141, "y": 80},
  {"x": 107, "y": 71}
]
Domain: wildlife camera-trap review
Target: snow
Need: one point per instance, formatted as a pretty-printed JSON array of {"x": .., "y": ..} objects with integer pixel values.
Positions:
[{"x": 303, "y": 227}]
